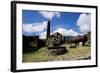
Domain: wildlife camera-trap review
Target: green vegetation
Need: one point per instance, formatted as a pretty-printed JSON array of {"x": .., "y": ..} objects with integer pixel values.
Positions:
[{"x": 42, "y": 54}]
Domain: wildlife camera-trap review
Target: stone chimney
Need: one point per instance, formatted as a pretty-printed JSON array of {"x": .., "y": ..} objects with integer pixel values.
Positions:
[{"x": 48, "y": 29}]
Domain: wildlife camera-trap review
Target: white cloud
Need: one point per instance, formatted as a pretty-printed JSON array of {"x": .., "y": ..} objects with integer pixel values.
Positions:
[
  {"x": 66, "y": 32},
  {"x": 61, "y": 31},
  {"x": 27, "y": 28},
  {"x": 84, "y": 23},
  {"x": 42, "y": 35},
  {"x": 84, "y": 28},
  {"x": 39, "y": 26},
  {"x": 35, "y": 27},
  {"x": 70, "y": 32},
  {"x": 49, "y": 15}
]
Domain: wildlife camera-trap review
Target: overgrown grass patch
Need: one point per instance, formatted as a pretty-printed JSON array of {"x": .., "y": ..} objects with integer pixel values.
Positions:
[{"x": 42, "y": 54}]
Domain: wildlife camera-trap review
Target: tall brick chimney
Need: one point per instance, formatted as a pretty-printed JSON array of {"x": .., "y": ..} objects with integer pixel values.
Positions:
[{"x": 48, "y": 29}]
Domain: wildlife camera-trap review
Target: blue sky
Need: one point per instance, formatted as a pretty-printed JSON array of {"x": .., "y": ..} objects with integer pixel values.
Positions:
[{"x": 65, "y": 22}]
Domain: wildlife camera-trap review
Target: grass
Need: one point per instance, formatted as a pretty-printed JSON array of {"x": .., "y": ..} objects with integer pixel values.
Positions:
[{"x": 42, "y": 54}]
